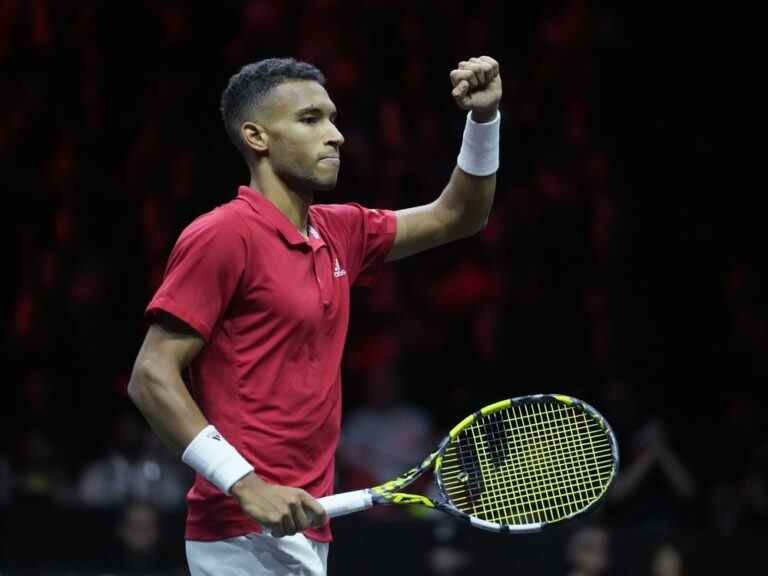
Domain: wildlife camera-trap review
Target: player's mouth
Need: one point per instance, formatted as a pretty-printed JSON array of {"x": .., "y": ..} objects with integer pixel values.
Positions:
[{"x": 332, "y": 159}]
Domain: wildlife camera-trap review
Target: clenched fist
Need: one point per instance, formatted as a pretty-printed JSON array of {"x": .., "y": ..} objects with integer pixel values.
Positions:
[{"x": 477, "y": 87}]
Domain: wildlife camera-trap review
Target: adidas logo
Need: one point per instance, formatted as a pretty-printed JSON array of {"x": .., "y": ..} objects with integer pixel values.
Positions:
[{"x": 338, "y": 271}]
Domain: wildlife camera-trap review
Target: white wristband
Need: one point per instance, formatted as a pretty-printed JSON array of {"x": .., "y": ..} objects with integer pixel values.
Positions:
[
  {"x": 216, "y": 459},
  {"x": 479, "y": 154}
]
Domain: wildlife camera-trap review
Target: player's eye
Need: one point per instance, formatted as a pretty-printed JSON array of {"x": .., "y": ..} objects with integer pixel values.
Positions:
[{"x": 309, "y": 120}]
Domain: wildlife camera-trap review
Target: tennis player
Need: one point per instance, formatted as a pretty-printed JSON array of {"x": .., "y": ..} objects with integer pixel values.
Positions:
[{"x": 254, "y": 307}]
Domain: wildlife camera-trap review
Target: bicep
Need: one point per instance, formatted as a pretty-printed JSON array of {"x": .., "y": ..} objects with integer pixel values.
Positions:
[
  {"x": 421, "y": 228},
  {"x": 169, "y": 341}
]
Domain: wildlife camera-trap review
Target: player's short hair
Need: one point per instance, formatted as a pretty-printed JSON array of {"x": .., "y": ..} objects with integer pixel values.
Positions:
[{"x": 247, "y": 89}]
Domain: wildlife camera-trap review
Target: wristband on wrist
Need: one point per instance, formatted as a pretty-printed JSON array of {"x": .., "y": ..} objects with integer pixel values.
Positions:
[
  {"x": 216, "y": 459},
  {"x": 479, "y": 154}
]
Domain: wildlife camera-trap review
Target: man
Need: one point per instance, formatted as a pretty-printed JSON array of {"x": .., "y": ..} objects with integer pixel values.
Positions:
[{"x": 255, "y": 302}]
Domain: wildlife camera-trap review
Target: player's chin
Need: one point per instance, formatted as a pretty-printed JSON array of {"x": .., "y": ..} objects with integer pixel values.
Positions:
[{"x": 325, "y": 182}]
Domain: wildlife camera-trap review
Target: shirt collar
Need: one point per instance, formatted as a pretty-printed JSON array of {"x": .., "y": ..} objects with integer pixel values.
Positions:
[{"x": 274, "y": 216}]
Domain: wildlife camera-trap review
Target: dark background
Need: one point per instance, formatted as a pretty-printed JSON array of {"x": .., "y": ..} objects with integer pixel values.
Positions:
[{"x": 621, "y": 263}]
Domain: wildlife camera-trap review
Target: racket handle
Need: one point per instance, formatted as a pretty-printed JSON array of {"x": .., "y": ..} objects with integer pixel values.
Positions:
[
  {"x": 346, "y": 503},
  {"x": 341, "y": 504}
]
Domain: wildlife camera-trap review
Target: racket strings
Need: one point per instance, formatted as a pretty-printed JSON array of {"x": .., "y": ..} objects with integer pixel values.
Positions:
[
  {"x": 541, "y": 478},
  {"x": 528, "y": 463},
  {"x": 501, "y": 484},
  {"x": 577, "y": 488},
  {"x": 471, "y": 469}
]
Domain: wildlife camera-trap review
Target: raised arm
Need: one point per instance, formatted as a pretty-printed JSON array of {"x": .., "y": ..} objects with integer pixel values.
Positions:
[{"x": 463, "y": 207}]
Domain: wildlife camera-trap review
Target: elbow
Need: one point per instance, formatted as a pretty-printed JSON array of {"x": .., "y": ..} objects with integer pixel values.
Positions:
[
  {"x": 475, "y": 221},
  {"x": 472, "y": 227},
  {"x": 140, "y": 383},
  {"x": 480, "y": 226},
  {"x": 136, "y": 385}
]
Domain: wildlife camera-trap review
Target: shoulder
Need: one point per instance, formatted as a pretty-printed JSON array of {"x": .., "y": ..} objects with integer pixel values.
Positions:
[
  {"x": 333, "y": 212},
  {"x": 223, "y": 223},
  {"x": 335, "y": 221},
  {"x": 218, "y": 234},
  {"x": 347, "y": 217}
]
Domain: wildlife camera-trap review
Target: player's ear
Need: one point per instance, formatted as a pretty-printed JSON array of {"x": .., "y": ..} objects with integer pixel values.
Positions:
[{"x": 255, "y": 136}]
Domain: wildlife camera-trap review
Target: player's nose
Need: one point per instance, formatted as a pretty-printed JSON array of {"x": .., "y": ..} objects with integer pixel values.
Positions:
[{"x": 335, "y": 137}]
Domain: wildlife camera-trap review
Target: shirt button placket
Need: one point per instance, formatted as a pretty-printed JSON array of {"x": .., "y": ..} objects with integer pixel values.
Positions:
[{"x": 322, "y": 273}]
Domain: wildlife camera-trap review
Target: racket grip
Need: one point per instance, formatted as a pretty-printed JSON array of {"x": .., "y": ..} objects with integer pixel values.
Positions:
[
  {"x": 341, "y": 504},
  {"x": 346, "y": 502}
]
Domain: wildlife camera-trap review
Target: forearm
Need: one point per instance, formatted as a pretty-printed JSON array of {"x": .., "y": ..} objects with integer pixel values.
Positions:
[
  {"x": 468, "y": 197},
  {"x": 469, "y": 200},
  {"x": 162, "y": 397}
]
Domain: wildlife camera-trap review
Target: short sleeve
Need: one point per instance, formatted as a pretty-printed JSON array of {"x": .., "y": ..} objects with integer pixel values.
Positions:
[
  {"x": 368, "y": 236},
  {"x": 203, "y": 272}
]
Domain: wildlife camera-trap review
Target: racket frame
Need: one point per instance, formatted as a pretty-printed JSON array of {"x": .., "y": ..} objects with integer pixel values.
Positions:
[{"x": 390, "y": 492}]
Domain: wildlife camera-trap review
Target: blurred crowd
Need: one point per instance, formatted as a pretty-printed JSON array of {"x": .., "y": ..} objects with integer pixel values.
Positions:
[{"x": 611, "y": 269}]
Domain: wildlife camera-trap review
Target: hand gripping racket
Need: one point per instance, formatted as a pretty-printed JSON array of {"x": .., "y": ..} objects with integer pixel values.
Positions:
[{"x": 518, "y": 465}]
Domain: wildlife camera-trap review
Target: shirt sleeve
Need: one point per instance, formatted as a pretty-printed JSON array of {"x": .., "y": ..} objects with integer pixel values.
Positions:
[
  {"x": 203, "y": 273},
  {"x": 368, "y": 235}
]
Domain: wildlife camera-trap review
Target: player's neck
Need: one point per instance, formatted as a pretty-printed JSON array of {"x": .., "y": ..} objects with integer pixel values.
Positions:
[{"x": 294, "y": 205}]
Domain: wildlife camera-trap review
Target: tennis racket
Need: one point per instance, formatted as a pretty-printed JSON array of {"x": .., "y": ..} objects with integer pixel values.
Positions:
[{"x": 517, "y": 465}]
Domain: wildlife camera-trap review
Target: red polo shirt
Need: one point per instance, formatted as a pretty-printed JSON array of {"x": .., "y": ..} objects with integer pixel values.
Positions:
[{"x": 273, "y": 309}]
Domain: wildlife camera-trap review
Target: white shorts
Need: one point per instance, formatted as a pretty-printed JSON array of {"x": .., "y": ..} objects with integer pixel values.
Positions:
[{"x": 255, "y": 554}]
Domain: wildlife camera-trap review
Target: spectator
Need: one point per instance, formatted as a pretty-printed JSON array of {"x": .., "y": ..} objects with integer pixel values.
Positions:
[
  {"x": 139, "y": 534},
  {"x": 587, "y": 551},
  {"x": 667, "y": 560},
  {"x": 40, "y": 476},
  {"x": 655, "y": 488},
  {"x": 364, "y": 459},
  {"x": 136, "y": 467}
]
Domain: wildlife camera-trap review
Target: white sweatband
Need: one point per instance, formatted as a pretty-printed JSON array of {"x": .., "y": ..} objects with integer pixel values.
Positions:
[
  {"x": 216, "y": 459},
  {"x": 479, "y": 154}
]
